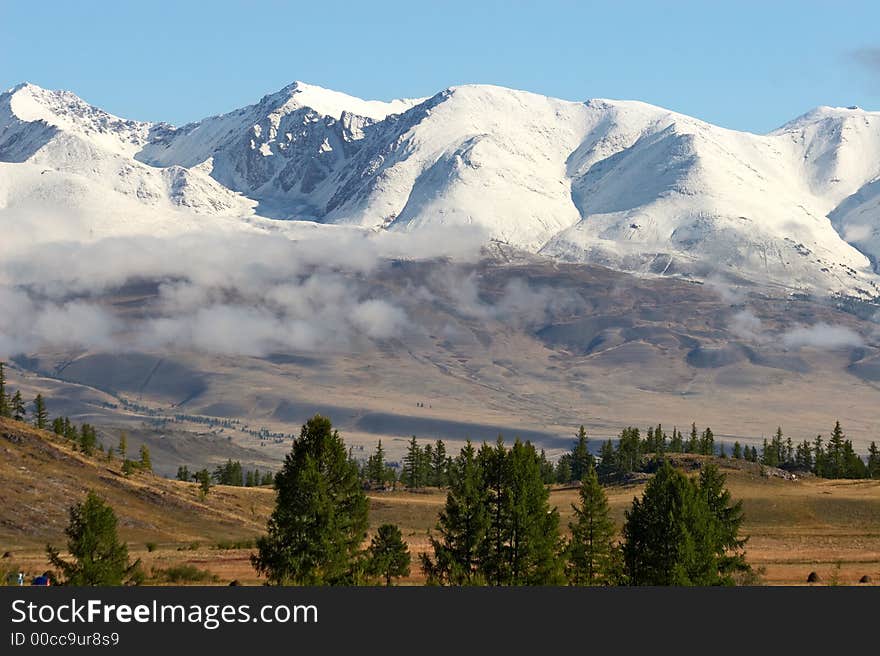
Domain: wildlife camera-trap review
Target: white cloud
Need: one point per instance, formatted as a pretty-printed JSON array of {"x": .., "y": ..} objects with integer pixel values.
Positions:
[{"x": 821, "y": 336}]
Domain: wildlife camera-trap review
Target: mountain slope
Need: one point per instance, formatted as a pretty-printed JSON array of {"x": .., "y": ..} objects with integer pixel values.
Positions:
[
  {"x": 624, "y": 184},
  {"x": 42, "y": 476},
  {"x": 56, "y": 151}
]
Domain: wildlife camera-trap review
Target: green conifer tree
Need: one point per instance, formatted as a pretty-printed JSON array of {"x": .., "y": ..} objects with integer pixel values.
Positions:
[
  {"x": 41, "y": 415},
  {"x": 315, "y": 533},
  {"x": 410, "y": 476},
  {"x": 145, "y": 463},
  {"x": 5, "y": 405},
  {"x": 670, "y": 534},
  {"x": 581, "y": 460},
  {"x": 99, "y": 558},
  {"x": 388, "y": 555},
  {"x": 676, "y": 445},
  {"x": 19, "y": 412},
  {"x": 693, "y": 445},
  {"x": 461, "y": 527},
  {"x": 123, "y": 446},
  {"x": 439, "y": 465},
  {"x": 591, "y": 549},
  {"x": 873, "y": 465},
  {"x": 376, "y": 472},
  {"x": 88, "y": 439},
  {"x": 707, "y": 442}
]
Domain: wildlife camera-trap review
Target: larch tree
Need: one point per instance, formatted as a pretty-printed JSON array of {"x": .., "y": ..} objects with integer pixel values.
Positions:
[
  {"x": 590, "y": 552},
  {"x": 461, "y": 527},
  {"x": 41, "y": 414},
  {"x": 388, "y": 555},
  {"x": 314, "y": 535},
  {"x": 99, "y": 557}
]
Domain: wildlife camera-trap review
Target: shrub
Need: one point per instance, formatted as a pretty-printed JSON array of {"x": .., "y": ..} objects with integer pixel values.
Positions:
[{"x": 183, "y": 574}]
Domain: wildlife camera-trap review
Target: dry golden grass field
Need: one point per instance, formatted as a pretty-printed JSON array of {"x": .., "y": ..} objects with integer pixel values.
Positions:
[{"x": 795, "y": 527}]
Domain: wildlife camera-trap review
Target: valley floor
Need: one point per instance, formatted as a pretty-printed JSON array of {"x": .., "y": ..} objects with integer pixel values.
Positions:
[{"x": 795, "y": 528}]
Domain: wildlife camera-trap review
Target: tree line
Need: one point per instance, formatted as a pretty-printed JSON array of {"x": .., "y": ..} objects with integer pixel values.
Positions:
[
  {"x": 634, "y": 451},
  {"x": 836, "y": 459},
  {"x": 229, "y": 473}
]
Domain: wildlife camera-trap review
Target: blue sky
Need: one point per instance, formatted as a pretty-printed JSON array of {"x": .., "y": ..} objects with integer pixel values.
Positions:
[{"x": 744, "y": 65}]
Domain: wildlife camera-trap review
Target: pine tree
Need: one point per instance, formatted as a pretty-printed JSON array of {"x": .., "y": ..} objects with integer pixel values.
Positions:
[
  {"x": 123, "y": 446},
  {"x": 426, "y": 464},
  {"x": 819, "y": 459},
  {"x": 411, "y": 465},
  {"x": 439, "y": 465},
  {"x": 70, "y": 431},
  {"x": 41, "y": 415},
  {"x": 493, "y": 463},
  {"x": 629, "y": 451},
  {"x": 607, "y": 459},
  {"x": 229, "y": 473},
  {"x": 388, "y": 555},
  {"x": 19, "y": 412},
  {"x": 581, "y": 460},
  {"x": 183, "y": 473},
  {"x": 729, "y": 547},
  {"x": 835, "y": 458},
  {"x": 88, "y": 439},
  {"x": 99, "y": 558},
  {"x": 676, "y": 445},
  {"x": 376, "y": 471},
  {"x": 548, "y": 472},
  {"x": 591, "y": 548},
  {"x": 707, "y": 442},
  {"x": 670, "y": 535},
  {"x": 145, "y": 463},
  {"x": 523, "y": 546},
  {"x": 462, "y": 525},
  {"x": 768, "y": 455},
  {"x": 320, "y": 518},
  {"x": 804, "y": 456},
  {"x": 648, "y": 446},
  {"x": 737, "y": 451},
  {"x": 693, "y": 445},
  {"x": 5, "y": 405},
  {"x": 873, "y": 461},
  {"x": 563, "y": 469},
  {"x": 659, "y": 440},
  {"x": 203, "y": 477}
]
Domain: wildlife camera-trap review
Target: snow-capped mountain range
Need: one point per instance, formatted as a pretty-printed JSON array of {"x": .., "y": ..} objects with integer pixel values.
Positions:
[{"x": 619, "y": 183}]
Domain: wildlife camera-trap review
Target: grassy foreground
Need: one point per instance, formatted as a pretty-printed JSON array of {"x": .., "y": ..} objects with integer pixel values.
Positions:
[{"x": 796, "y": 527}]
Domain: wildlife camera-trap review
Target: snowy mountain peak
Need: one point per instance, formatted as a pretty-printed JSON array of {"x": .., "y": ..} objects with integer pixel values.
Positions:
[
  {"x": 299, "y": 95},
  {"x": 621, "y": 183},
  {"x": 67, "y": 112}
]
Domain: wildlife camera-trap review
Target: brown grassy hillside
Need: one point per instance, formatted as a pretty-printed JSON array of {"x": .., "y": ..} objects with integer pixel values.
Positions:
[{"x": 42, "y": 476}]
